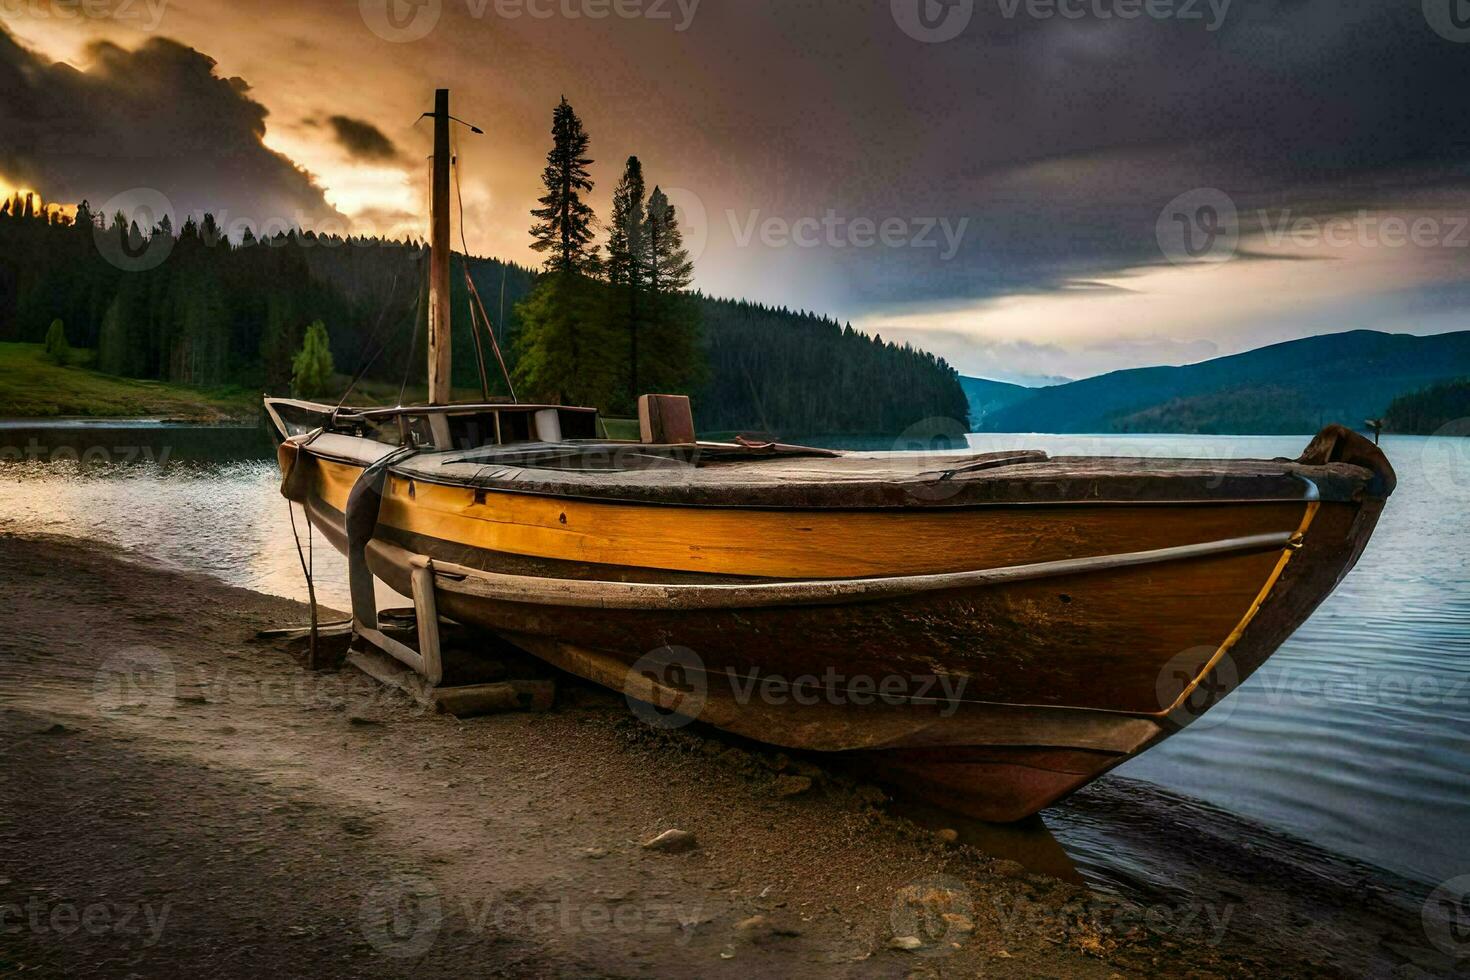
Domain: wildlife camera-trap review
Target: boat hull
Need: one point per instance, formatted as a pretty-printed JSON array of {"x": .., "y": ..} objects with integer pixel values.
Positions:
[{"x": 995, "y": 697}]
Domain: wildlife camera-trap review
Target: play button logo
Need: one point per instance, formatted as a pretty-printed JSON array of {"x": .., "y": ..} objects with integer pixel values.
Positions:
[
  {"x": 1449, "y": 18},
  {"x": 401, "y": 21}
]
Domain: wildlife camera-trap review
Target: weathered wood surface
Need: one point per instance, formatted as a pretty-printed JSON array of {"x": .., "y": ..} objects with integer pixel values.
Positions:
[
  {"x": 593, "y": 594},
  {"x": 1060, "y": 616},
  {"x": 797, "y": 544},
  {"x": 485, "y": 699}
]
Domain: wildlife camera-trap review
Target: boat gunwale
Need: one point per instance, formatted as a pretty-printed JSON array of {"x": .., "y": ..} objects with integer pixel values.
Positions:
[
  {"x": 1308, "y": 496},
  {"x": 602, "y": 594}
]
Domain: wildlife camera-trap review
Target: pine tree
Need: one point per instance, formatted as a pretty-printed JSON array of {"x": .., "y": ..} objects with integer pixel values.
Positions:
[
  {"x": 278, "y": 340},
  {"x": 625, "y": 252},
  {"x": 671, "y": 360},
  {"x": 313, "y": 365},
  {"x": 669, "y": 268},
  {"x": 627, "y": 257},
  {"x": 564, "y": 221},
  {"x": 564, "y": 343}
]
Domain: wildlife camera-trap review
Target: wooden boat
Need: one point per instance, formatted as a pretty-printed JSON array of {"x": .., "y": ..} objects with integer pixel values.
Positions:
[{"x": 993, "y": 629}]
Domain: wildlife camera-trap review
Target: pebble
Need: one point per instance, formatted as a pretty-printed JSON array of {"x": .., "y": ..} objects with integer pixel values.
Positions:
[
  {"x": 672, "y": 841},
  {"x": 905, "y": 942},
  {"x": 947, "y": 834},
  {"x": 756, "y": 923}
]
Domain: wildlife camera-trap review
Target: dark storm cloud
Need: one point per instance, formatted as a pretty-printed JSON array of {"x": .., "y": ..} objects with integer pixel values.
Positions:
[
  {"x": 157, "y": 117},
  {"x": 1060, "y": 139},
  {"x": 1064, "y": 139},
  {"x": 362, "y": 139},
  {"x": 1056, "y": 141}
]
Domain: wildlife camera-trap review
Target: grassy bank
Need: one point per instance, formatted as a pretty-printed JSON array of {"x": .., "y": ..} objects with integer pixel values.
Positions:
[{"x": 33, "y": 387}]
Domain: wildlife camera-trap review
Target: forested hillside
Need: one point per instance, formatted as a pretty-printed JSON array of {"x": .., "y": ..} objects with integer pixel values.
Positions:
[
  {"x": 771, "y": 366},
  {"x": 211, "y": 312},
  {"x": 1442, "y": 408}
]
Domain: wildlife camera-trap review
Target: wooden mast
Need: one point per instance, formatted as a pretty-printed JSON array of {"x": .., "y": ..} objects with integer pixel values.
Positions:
[{"x": 439, "y": 251}]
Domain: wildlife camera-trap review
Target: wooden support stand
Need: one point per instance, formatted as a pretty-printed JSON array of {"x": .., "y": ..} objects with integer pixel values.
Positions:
[
  {"x": 427, "y": 661},
  {"x": 420, "y": 673}
]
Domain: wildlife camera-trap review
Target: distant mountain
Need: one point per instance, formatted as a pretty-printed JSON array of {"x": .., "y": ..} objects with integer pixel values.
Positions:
[
  {"x": 987, "y": 396},
  {"x": 1290, "y": 388}
]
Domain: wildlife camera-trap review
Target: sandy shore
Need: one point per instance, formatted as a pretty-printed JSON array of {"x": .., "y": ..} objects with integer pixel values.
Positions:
[{"x": 179, "y": 796}]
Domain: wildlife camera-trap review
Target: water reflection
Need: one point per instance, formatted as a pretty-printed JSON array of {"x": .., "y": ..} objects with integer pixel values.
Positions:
[{"x": 228, "y": 520}]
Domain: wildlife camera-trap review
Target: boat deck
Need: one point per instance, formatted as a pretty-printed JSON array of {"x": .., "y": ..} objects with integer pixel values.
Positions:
[{"x": 713, "y": 476}]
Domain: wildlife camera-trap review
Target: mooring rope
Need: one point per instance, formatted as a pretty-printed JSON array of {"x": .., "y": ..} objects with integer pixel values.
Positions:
[{"x": 308, "y": 567}]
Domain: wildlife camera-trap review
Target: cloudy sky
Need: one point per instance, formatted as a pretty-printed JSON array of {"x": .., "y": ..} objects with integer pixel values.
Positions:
[{"x": 1031, "y": 188}]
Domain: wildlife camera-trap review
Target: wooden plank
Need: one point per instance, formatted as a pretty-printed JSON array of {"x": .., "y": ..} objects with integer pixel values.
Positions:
[
  {"x": 485, "y": 699},
  {"x": 386, "y": 670},
  {"x": 401, "y": 652},
  {"x": 792, "y": 544},
  {"x": 336, "y": 628},
  {"x": 590, "y": 594},
  {"x": 430, "y": 659}
]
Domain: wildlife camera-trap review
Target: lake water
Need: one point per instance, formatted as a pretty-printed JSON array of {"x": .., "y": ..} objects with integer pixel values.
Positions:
[{"x": 1355, "y": 736}]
